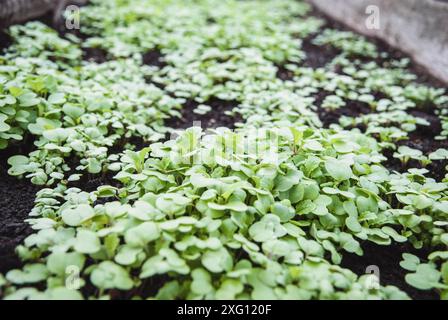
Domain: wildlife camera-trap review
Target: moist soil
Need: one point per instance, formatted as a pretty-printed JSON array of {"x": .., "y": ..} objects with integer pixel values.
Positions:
[
  {"x": 5, "y": 41},
  {"x": 215, "y": 118},
  {"x": 16, "y": 201},
  {"x": 154, "y": 58},
  {"x": 318, "y": 56},
  {"x": 18, "y": 195},
  {"x": 96, "y": 55}
]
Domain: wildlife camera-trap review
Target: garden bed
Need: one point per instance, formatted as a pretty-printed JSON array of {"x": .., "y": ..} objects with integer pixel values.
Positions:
[{"x": 232, "y": 109}]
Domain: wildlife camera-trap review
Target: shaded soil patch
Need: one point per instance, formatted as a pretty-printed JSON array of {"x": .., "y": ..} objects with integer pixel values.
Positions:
[
  {"x": 63, "y": 32},
  {"x": 425, "y": 143},
  {"x": 387, "y": 258},
  {"x": 149, "y": 288},
  {"x": 422, "y": 139},
  {"x": 284, "y": 74},
  {"x": 318, "y": 56},
  {"x": 47, "y": 19},
  {"x": 351, "y": 109},
  {"x": 215, "y": 118},
  {"x": 154, "y": 58},
  {"x": 431, "y": 131},
  {"x": 96, "y": 55},
  {"x": 437, "y": 169},
  {"x": 16, "y": 203},
  {"x": 5, "y": 41},
  {"x": 90, "y": 182}
]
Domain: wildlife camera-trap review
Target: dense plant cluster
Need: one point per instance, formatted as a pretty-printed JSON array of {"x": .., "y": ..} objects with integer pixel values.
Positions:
[{"x": 263, "y": 212}]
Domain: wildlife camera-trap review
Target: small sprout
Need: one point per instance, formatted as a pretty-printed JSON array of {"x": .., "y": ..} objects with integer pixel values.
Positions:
[
  {"x": 404, "y": 153},
  {"x": 333, "y": 102},
  {"x": 439, "y": 154},
  {"x": 202, "y": 109}
]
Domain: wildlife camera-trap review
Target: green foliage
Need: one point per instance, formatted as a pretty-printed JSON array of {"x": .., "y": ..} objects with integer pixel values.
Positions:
[
  {"x": 265, "y": 212},
  {"x": 207, "y": 212},
  {"x": 428, "y": 276},
  {"x": 348, "y": 42}
]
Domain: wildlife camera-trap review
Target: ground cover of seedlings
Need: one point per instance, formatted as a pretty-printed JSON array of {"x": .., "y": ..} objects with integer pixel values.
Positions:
[{"x": 322, "y": 155}]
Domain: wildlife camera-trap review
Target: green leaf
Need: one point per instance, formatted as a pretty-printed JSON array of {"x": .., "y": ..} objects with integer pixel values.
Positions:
[
  {"x": 285, "y": 182},
  {"x": 3, "y": 125},
  {"x": 128, "y": 255},
  {"x": 59, "y": 293},
  {"x": 142, "y": 234},
  {"x": 217, "y": 261},
  {"x": 87, "y": 242},
  {"x": 28, "y": 99},
  {"x": 19, "y": 165},
  {"x": 202, "y": 282},
  {"x": 31, "y": 273},
  {"x": 410, "y": 262},
  {"x": 77, "y": 216},
  {"x": 425, "y": 277},
  {"x": 268, "y": 228},
  {"x": 283, "y": 210},
  {"x": 168, "y": 260},
  {"x": 338, "y": 169},
  {"x": 353, "y": 224},
  {"x": 172, "y": 204},
  {"x": 108, "y": 275},
  {"x": 58, "y": 262},
  {"x": 233, "y": 205},
  {"x": 56, "y": 135},
  {"x": 94, "y": 165},
  {"x": 444, "y": 271},
  {"x": 57, "y": 98},
  {"x": 72, "y": 110},
  {"x": 229, "y": 289}
]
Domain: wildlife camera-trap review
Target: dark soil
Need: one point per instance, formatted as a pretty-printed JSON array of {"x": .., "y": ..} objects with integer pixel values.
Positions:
[
  {"x": 284, "y": 74},
  {"x": 422, "y": 139},
  {"x": 5, "y": 41},
  {"x": 154, "y": 58},
  {"x": 387, "y": 259},
  {"x": 215, "y": 118},
  {"x": 97, "y": 55},
  {"x": 16, "y": 202},
  {"x": 437, "y": 169},
  {"x": 90, "y": 182},
  {"x": 351, "y": 109},
  {"x": 318, "y": 56}
]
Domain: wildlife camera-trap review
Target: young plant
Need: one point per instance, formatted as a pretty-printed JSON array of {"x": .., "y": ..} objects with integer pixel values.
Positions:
[{"x": 405, "y": 153}]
